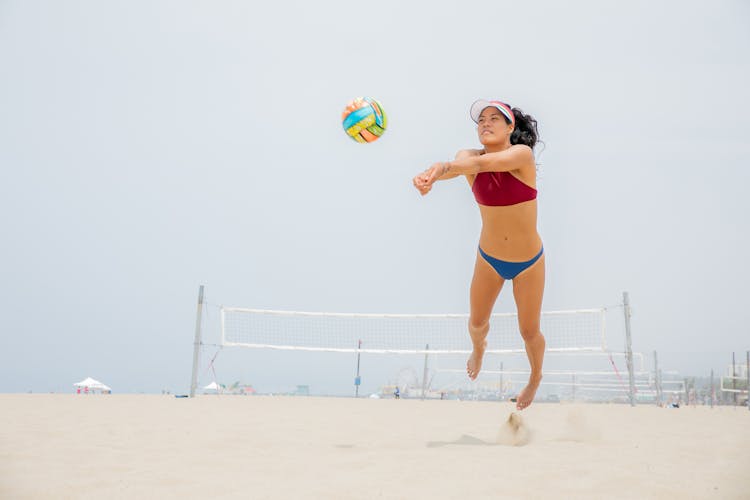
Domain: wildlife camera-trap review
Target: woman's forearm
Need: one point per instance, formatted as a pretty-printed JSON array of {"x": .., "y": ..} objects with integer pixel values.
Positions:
[
  {"x": 512, "y": 158},
  {"x": 452, "y": 171},
  {"x": 470, "y": 165}
]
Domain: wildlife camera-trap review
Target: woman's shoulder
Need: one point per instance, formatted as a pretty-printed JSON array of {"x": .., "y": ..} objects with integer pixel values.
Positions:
[
  {"x": 521, "y": 149},
  {"x": 524, "y": 155}
]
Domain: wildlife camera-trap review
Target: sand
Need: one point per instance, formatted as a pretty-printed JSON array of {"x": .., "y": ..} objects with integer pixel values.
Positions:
[{"x": 256, "y": 447}]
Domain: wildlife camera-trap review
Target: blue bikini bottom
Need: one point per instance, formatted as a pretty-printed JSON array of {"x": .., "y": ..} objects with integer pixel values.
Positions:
[{"x": 509, "y": 270}]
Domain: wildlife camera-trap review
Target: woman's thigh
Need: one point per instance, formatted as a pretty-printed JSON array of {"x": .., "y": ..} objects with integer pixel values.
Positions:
[
  {"x": 485, "y": 287},
  {"x": 528, "y": 291}
]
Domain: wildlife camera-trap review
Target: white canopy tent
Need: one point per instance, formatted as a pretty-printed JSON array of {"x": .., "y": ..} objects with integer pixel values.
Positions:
[
  {"x": 93, "y": 384},
  {"x": 213, "y": 386}
]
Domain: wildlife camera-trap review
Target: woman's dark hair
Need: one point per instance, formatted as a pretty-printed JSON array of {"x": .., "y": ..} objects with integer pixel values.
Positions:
[{"x": 525, "y": 131}]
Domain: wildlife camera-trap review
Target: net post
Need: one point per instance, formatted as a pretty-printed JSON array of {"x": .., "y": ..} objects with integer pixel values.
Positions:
[
  {"x": 712, "y": 388},
  {"x": 424, "y": 373},
  {"x": 197, "y": 343},
  {"x": 502, "y": 383},
  {"x": 657, "y": 382},
  {"x": 629, "y": 348},
  {"x": 734, "y": 380},
  {"x": 747, "y": 375},
  {"x": 660, "y": 378},
  {"x": 357, "y": 380}
]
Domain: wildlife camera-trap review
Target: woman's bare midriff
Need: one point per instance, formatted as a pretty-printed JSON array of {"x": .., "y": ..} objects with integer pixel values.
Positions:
[{"x": 509, "y": 233}]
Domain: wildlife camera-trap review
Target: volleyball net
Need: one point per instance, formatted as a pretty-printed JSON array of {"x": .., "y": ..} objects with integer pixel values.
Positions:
[
  {"x": 425, "y": 354},
  {"x": 582, "y": 330}
]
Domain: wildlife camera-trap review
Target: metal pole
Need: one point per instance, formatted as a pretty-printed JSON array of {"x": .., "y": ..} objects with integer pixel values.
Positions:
[
  {"x": 629, "y": 347},
  {"x": 357, "y": 380},
  {"x": 660, "y": 378},
  {"x": 502, "y": 391},
  {"x": 657, "y": 382},
  {"x": 197, "y": 343},
  {"x": 734, "y": 380},
  {"x": 424, "y": 374},
  {"x": 573, "y": 385},
  {"x": 747, "y": 373},
  {"x": 712, "y": 388}
]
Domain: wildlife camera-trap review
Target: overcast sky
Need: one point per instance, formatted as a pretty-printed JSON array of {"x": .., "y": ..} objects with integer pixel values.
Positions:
[{"x": 149, "y": 147}]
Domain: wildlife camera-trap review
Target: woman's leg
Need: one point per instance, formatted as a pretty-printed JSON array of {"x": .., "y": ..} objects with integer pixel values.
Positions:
[
  {"x": 485, "y": 287},
  {"x": 528, "y": 289}
]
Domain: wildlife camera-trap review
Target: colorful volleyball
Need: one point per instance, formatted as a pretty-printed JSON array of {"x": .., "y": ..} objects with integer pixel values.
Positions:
[{"x": 364, "y": 119}]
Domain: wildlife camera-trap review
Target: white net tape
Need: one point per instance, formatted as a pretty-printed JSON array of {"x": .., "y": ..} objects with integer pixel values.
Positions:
[{"x": 576, "y": 331}]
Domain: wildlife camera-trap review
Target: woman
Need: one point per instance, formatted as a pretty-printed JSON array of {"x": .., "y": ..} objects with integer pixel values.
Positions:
[{"x": 502, "y": 176}]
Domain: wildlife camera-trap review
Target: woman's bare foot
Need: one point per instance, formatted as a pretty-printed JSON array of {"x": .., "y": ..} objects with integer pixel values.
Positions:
[
  {"x": 474, "y": 364},
  {"x": 526, "y": 396}
]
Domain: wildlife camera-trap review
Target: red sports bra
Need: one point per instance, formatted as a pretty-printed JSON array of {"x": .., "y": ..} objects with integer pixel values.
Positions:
[{"x": 498, "y": 189}]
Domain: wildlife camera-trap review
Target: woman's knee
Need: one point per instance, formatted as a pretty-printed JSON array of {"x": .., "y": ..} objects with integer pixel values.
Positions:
[
  {"x": 530, "y": 333},
  {"x": 478, "y": 326}
]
